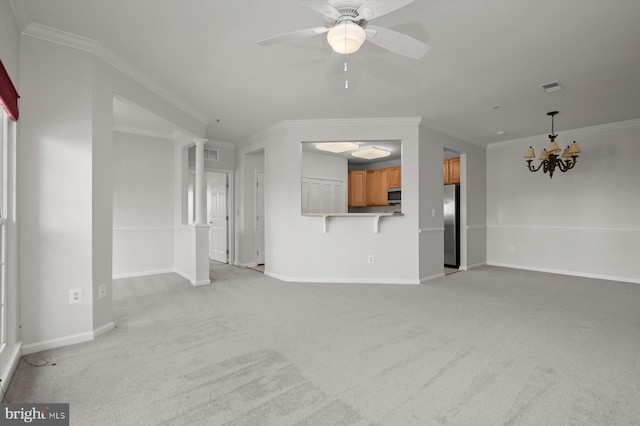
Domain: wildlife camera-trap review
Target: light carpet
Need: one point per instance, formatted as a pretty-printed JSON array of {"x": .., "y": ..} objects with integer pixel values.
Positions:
[{"x": 490, "y": 346}]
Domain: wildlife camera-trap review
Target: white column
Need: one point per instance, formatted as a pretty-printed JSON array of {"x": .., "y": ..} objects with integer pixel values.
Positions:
[{"x": 199, "y": 189}]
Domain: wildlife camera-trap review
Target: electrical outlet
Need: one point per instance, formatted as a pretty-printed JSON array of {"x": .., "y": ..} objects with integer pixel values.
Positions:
[
  {"x": 512, "y": 249},
  {"x": 370, "y": 259},
  {"x": 102, "y": 291},
  {"x": 433, "y": 212},
  {"x": 75, "y": 295}
]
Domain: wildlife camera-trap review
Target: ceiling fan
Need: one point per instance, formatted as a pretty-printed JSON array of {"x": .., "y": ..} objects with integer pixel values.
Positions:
[{"x": 348, "y": 27}]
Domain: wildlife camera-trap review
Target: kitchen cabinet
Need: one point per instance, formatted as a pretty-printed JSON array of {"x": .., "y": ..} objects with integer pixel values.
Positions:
[
  {"x": 357, "y": 189},
  {"x": 395, "y": 175},
  {"x": 322, "y": 196},
  {"x": 377, "y": 185},
  {"x": 369, "y": 188},
  {"x": 451, "y": 171}
]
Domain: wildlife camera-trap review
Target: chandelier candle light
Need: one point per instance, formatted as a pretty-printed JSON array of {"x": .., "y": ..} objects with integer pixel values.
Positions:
[{"x": 549, "y": 158}]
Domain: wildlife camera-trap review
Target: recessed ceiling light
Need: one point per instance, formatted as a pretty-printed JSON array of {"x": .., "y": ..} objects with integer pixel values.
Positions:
[
  {"x": 337, "y": 147},
  {"x": 501, "y": 132},
  {"x": 371, "y": 153}
]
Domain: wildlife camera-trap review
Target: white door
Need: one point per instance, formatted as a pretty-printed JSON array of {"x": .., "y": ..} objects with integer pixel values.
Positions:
[
  {"x": 259, "y": 217},
  {"x": 217, "y": 215}
]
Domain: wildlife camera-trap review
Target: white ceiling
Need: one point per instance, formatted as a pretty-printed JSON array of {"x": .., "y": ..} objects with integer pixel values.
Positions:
[{"x": 483, "y": 53}]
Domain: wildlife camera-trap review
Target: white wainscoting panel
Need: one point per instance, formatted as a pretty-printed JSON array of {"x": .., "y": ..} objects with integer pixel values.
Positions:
[
  {"x": 605, "y": 253},
  {"x": 143, "y": 251}
]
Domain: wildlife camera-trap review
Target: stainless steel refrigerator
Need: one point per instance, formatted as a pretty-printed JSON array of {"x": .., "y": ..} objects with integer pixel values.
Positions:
[{"x": 452, "y": 226}]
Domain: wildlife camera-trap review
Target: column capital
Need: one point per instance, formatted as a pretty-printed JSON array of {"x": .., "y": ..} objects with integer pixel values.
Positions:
[{"x": 200, "y": 141}]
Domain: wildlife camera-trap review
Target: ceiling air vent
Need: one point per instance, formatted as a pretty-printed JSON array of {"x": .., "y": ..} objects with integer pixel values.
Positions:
[
  {"x": 211, "y": 154},
  {"x": 551, "y": 87}
]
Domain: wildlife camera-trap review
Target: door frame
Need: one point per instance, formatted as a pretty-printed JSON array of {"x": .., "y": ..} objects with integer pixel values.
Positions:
[
  {"x": 462, "y": 260},
  {"x": 230, "y": 212},
  {"x": 255, "y": 214},
  {"x": 226, "y": 211}
]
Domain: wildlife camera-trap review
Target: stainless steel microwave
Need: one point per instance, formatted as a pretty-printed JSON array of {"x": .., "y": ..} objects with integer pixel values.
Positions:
[{"x": 394, "y": 196}]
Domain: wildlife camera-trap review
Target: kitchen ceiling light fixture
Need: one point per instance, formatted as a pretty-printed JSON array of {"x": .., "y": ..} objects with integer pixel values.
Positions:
[
  {"x": 371, "y": 153},
  {"x": 346, "y": 37},
  {"x": 549, "y": 160},
  {"x": 337, "y": 147}
]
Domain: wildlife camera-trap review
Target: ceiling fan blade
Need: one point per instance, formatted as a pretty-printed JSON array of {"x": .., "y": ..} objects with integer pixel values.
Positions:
[
  {"x": 295, "y": 35},
  {"x": 323, "y": 7},
  {"x": 372, "y": 9},
  {"x": 396, "y": 42}
]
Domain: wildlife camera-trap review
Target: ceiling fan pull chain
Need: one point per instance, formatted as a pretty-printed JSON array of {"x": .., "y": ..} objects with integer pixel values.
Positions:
[{"x": 346, "y": 81}]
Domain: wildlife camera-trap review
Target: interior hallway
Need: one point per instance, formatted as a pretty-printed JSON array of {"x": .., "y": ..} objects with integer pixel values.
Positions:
[{"x": 486, "y": 347}]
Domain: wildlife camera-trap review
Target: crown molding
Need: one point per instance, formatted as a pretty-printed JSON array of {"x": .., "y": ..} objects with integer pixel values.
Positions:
[
  {"x": 573, "y": 132},
  {"x": 75, "y": 41},
  {"x": 330, "y": 122},
  {"x": 21, "y": 13},
  {"x": 142, "y": 132},
  {"x": 338, "y": 122},
  {"x": 452, "y": 134},
  {"x": 262, "y": 134}
]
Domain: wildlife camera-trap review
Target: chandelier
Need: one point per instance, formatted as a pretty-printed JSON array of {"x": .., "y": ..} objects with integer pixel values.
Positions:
[{"x": 549, "y": 158}]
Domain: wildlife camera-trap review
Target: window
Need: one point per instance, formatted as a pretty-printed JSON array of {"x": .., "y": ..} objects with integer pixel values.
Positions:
[{"x": 4, "y": 133}]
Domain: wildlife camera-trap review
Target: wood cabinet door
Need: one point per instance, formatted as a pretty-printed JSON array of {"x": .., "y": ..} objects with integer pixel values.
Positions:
[
  {"x": 372, "y": 187},
  {"x": 445, "y": 172},
  {"x": 357, "y": 189},
  {"x": 454, "y": 170},
  {"x": 377, "y": 185},
  {"x": 395, "y": 177},
  {"x": 383, "y": 185}
]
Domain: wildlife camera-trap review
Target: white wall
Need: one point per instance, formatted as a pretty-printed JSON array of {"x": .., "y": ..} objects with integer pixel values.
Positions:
[
  {"x": 54, "y": 171},
  {"x": 472, "y": 202},
  {"x": 143, "y": 205},
  {"x": 10, "y": 55},
  {"x": 66, "y": 187},
  {"x": 296, "y": 247},
  {"x": 584, "y": 222},
  {"x": 408, "y": 249},
  {"x": 323, "y": 166}
]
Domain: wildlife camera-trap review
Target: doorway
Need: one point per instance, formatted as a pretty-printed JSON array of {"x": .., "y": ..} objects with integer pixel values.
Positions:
[
  {"x": 452, "y": 211},
  {"x": 259, "y": 215},
  {"x": 218, "y": 215}
]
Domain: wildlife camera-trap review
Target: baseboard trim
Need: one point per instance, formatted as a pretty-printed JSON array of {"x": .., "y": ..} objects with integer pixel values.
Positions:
[
  {"x": 57, "y": 343},
  {"x": 183, "y": 275},
  {"x": 474, "y": 266},
  {"x": 431, "y": 278},
  {"x": 67, "y": 340},
  {"x": 401, "y": 281},
  {"x": 7, "y": 374},
  {"x": 246, "y": 265},
  {"x": 571, "y": 273},
  {"x": 142, "y": 273},
  {"x": 201, "y": 282},
  {"x": 104, "y": 329}
]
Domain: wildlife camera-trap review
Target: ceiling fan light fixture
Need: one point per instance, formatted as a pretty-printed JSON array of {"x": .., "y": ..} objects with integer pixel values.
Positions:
[
  {"x": 371, "y": 153},
  {"x": 346, "y": 37}
]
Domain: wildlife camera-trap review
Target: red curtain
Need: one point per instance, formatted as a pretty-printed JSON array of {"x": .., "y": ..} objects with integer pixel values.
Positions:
[{"x": 8, "y": 94}]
